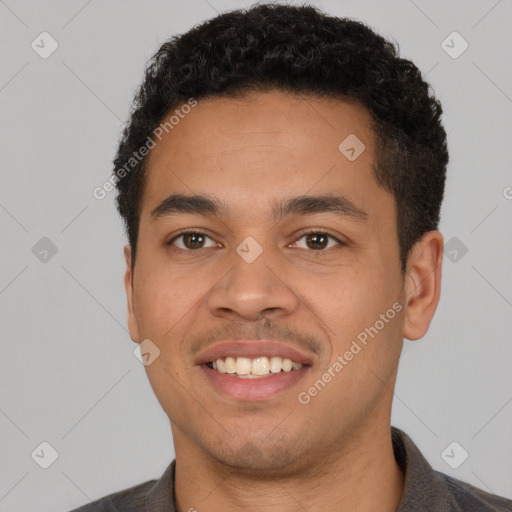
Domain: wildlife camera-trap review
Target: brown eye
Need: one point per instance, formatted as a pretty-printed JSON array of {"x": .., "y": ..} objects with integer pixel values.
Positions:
[
  {"x": 191, "y": 240},
  {"x": 317, "y": 241}
]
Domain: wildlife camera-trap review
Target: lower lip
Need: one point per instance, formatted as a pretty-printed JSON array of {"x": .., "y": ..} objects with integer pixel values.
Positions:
[{"x": 257, "y": 389}]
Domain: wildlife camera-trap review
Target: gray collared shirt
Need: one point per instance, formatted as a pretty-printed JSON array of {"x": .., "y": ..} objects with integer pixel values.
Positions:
[{"x": 424, "y": 489}]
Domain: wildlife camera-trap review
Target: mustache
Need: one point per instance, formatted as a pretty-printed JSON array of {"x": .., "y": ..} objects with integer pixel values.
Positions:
[{"x": 265, "y": 330}]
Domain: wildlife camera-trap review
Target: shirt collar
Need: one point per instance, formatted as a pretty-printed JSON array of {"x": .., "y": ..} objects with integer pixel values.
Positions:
[
  {"x": 161, "y": 495},
  {"x": 423, "y": 487}
]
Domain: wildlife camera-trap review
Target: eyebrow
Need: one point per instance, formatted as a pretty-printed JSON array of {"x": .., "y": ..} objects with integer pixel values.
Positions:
[{"x": 300, "y": 205}]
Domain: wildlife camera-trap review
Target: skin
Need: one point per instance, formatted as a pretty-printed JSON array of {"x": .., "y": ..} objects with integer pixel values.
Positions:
[{"x": 335, "y": 452}]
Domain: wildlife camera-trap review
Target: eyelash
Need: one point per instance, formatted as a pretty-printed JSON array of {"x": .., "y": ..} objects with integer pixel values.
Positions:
[{"x": 303, "y": 234}]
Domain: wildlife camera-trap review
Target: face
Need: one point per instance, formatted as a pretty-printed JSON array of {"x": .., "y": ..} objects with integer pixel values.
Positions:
[{"x": 263, "y": 274}]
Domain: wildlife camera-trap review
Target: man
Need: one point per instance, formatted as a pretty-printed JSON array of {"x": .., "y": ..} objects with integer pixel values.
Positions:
[{"x": 281, "y": 179}]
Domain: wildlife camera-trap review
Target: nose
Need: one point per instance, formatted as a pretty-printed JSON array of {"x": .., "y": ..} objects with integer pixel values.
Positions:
[{"x": 252, "y": 290}]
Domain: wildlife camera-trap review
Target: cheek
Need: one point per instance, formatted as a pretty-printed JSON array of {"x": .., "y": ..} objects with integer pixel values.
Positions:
[
  {"x": 172, "y": 387},
  {"x": 352, "y": 299},
  {"x": 166, "y": 305},
  {"x": 162, "y": 300},
  {"x": 364, "y": 317}
]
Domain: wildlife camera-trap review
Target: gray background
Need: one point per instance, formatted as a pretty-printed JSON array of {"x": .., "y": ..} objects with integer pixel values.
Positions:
[{"x": 68, "y": 375}]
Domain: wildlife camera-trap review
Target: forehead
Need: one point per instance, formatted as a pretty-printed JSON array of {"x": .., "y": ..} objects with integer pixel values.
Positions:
[{"x": 250, "y": 151}]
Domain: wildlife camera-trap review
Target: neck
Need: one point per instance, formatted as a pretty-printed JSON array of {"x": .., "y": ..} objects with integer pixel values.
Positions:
[{"x": 360, "y": 475}]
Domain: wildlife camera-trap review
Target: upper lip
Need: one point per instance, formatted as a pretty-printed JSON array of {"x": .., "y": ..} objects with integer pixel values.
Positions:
[{"x": 252, "y": 349}]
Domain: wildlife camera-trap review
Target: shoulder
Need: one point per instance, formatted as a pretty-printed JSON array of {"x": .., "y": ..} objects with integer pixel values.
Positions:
[
  {"x": 428, "y": 489},
  {"x": 132, "y": 499},
  {"x": 464, "y": 496}
]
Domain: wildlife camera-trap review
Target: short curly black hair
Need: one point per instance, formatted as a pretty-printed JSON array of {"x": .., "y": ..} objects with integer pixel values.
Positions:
[{"x": 301, "y": 50}]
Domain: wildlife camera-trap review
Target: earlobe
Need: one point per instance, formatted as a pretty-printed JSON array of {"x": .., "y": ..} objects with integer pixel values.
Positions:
[
  {"x": 423, "y": 284},
  {"x": 128, "y": 284}
]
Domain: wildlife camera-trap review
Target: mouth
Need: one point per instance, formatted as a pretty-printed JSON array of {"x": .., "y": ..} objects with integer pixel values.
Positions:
[
  {"x": 256, "y": 373},
  {"x": 253, "y": 370}
]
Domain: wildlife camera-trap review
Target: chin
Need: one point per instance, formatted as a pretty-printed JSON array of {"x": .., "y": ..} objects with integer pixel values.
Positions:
[{"x": 261, "y": 458}]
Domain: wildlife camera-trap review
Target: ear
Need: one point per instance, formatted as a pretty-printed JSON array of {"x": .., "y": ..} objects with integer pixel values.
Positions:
[
  {"x": 133, "y": 326},
  {"x": 422, "y": 284}
]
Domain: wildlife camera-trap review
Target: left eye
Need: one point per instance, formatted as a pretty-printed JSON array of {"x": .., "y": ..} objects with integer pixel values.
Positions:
[{"x": 318, "y": 240}]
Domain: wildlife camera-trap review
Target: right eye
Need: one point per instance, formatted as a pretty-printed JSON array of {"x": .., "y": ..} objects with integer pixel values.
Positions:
[{"x": 190, "y": 240}]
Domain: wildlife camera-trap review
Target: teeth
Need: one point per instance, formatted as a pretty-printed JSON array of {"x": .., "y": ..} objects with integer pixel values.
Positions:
[
  {"x": 261, "y": 366},
  {"x": 242, "y": 366},
  {"x": 253, "y": 368},
  {"x": 287, "y": 365},
  {"x": 221, "y": 366},
  {"x": 276, "y": 363},
  {"x": 230, "y": 365}
]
